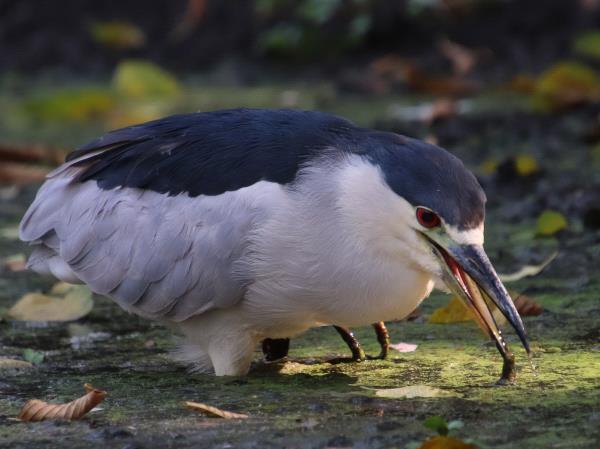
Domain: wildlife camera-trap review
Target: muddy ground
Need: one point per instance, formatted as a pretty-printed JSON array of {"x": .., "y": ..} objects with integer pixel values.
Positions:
[{"x": 310, "y": 402}]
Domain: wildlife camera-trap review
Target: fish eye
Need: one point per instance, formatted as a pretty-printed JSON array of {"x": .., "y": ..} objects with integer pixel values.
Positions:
[{"x": 427, "y": 218}]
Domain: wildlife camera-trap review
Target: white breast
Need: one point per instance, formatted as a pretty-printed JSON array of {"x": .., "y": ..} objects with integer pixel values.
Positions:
[{"x": 336, "y": 254}]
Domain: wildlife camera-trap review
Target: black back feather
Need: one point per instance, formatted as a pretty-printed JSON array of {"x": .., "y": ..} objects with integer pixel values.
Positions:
[{"x": 210, "y": 153}]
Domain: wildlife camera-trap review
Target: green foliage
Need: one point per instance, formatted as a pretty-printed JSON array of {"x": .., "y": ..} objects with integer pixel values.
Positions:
[
  {"x": 32, "y": 356},
  {"x": 439, "y": 424},
  {"x": 588, "y": 44},
  {"x": 318, "y": 11},
  {"x": 282, "y": 38},
  {"x": 136, "y": 79},
  {"x": 313, "y": 27}
]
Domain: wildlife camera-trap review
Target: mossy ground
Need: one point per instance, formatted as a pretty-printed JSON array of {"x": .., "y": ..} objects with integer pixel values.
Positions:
[{"x": 308, "y": 401}]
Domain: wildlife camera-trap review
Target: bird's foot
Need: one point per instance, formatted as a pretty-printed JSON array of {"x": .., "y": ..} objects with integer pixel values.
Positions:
[
  {"x": 381, "y": 356},
  {"x": 275, "y": 348},
  {"x": 509, "y": 371}
]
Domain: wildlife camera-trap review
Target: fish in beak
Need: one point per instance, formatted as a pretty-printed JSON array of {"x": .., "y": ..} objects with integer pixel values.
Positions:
[{"x": 469, "y": 274}]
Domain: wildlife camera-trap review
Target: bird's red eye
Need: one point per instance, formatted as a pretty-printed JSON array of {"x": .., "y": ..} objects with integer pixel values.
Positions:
[{"x": 427, "y": 218}]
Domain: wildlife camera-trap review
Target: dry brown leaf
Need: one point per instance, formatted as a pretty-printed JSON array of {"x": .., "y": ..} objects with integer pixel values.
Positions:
[
  {"x": 391, "y": 69},
  {"x": 194, "y": 14},
  {"x": 441, "y": 109},
  {"x": 21, "y": 174},
  {"x": 32, "y": 153},
  {"x": 446, "y": 442},
  {"x": 37, "y": 410},
  {"x": 462, "y": 58},
  {"x": 14, "y": 263},
  {"x": 526, "y": 306},
  {"x": 214, "y": 411}
]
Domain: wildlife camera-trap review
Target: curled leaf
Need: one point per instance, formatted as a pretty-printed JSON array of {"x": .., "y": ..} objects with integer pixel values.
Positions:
[
  {"x": 36, "y": 410},
  {"x": 528, "y": 270},
  {"x": 214, "y": 411}
]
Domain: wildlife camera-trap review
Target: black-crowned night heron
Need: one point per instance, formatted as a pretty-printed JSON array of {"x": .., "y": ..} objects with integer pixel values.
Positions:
[{"x": 239, "y": 225}]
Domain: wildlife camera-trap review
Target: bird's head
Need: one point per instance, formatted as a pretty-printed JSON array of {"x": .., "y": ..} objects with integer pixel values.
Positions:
[{"x": 438, "y": 209}]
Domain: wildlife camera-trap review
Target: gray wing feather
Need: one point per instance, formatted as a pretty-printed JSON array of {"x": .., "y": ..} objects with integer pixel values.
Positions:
[{"x": 162, "y": 257}]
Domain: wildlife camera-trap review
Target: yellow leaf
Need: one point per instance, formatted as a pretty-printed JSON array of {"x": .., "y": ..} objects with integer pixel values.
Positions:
[
  {"x": 489, "y": 166},
  {"x": 566, "y": 84},
  {"x": 550, "y": 222},
  {"x": 412, "y": 391},
  {"x": 526, "y": 165},
  {"x": 117, "y": 34},
  {"x": 453, "y": 312},
  {"x": 138, "y": 79},
  {"x": 74, "y": 104},
  {"x": 64, "y": 303},
  {"x": 444, "y": 442}
]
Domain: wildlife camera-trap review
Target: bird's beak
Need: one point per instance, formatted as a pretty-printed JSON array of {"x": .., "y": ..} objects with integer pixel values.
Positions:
[{"x": 469, "y": 274}]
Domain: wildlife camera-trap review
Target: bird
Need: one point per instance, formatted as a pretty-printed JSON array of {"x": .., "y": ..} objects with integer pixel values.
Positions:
[{"x": 240, "y": 225}]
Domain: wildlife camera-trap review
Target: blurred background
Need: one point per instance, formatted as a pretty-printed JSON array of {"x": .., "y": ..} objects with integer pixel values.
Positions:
[{"x": 510, "y": 86}]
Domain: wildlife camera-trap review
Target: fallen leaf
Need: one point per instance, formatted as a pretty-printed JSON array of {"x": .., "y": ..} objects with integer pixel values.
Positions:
[
  {"x": 462, "y": 58},
  {"x": 65, "y": 302},
  {"x": 526, "y": 165},
  {"x": 391, "y": 69},
  {"x": 16, "y": 173},
  {"x": 453, "y": 312},
  {"x": 70, "y": 104},
  {"x": 32, "y": 153},
  {"x": 117, "y": 34},
  {"x": 527, "y": 306},
  {"x": 32, "y": 356},
  {"x": 138, "y": 79},
  {"x": 489, "y": 166},
  {"x": 527, "y": 270},
  {"x": 214, "y": 411},
  {"x": 36, "y": 410},
  {"x": 12, "y": 364},
  {"x": 193, "y": 15},
  {"x": 588, "y": 44},
  {"x": 523, "y": 83},
  {"x": 15, "y": 263},
  {"x": 412, "y": 391},
  {"x": 550, "y": 222},
  {"x": 404, "y": 347},
  {"x": 445, "y": 442},
  {"x": 565, "y": 85}
]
